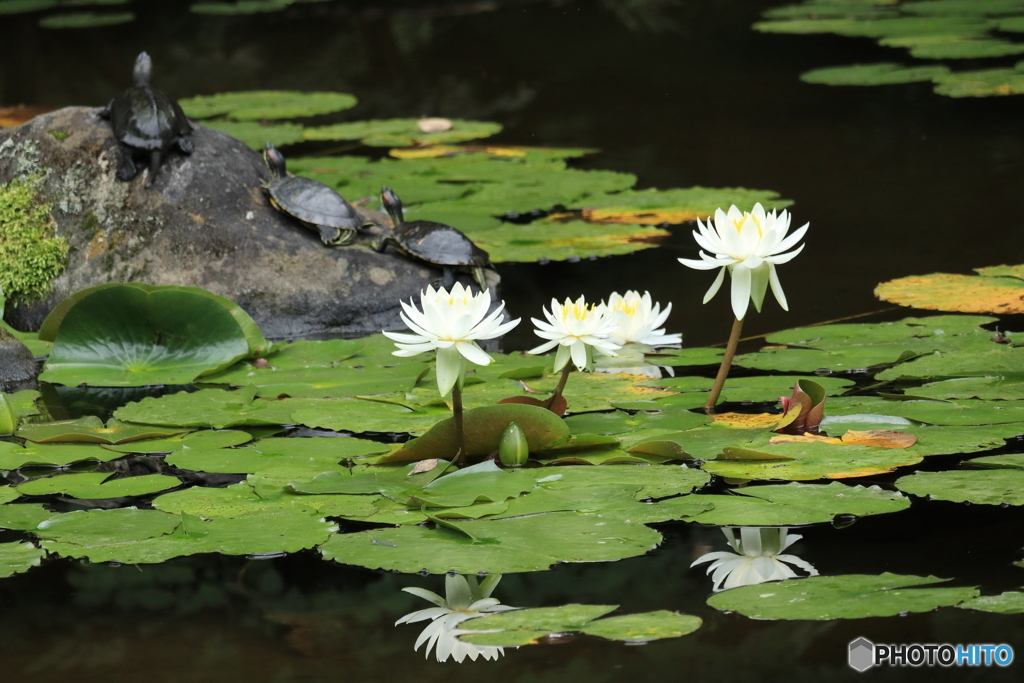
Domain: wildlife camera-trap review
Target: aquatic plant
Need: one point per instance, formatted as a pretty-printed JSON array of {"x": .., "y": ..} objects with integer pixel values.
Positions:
[
  {"x": 757, "y": 558},
  {"x": 749, "y": 245},
  {"x": 636, "y": 318},
  {"x": 464, "y": 599},
  {"x": 451, "y": 322}
]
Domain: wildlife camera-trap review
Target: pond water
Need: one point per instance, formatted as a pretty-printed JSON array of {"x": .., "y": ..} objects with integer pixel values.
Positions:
[{"x": 894, "y": 180}]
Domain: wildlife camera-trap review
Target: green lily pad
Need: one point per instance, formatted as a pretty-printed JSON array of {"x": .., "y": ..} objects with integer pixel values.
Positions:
[
  {"x": 377, "y": 415},
  {"x": 212, "y": 408},
  {"x": 983, "y": 83},
  {"x": 321, "y": 382},
  {"x": 984, "y": 487},
  {"x": 807, "y": 461},
  {"x": 986, "y": 362},
  {"x": 91, "y": 486},
  {"x": 652, "y": 206},
  {"x": 86, "y": 19},
  {"x": 23, "y": 516},
  {"x": 1010, "y": 602},
  {"x": 17, "y": 557},
  {"x": 852, "y": 596},
  {"x": 135, "y": 334},
  {"x": 390, "y": 481},
  {"x": 239, "y": 7},
  {"x": 643, "y": 628},
  {"x": 685, "y": 357},
  {"x": 560, "y": 241},
  {"x": 402, "y": 132},
  {"x": 650, "y": 481},
  {"x": 259, "y": 532},
  {"x": 1012, "y": 460},
  {"x": 122, "y": 526},
  {"x": 90, "y": 429},
  {"x": 960, "y": 412},
  {"x": 51, "y": 455},
  {"x": 256, "y": 105},
  {"x": 277, "y": 457},
  {"x": 885, "y": 73},
  {"x": 531, "y": 623},
  {"x": 483, "y": 428},
  {"x": 482, "y": 482},
  {"x": 206, "y": 439},
  {"x": 242, "y": 498},
  {"x": 1009, "y": 386},
  {"x": 755, "y": 389},
  {"x": 256, "y": 134},
  {"x": 794, "y": 504},
  {"x": 19, "y": 6},
  {"x": 519, "y": 544}
]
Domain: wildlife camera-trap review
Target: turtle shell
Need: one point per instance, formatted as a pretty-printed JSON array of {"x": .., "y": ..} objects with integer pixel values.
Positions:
[
  {"x": 440, "y": 244},
  {"x": 145, "y": 118},
  {"x": 313, "y": 202}
]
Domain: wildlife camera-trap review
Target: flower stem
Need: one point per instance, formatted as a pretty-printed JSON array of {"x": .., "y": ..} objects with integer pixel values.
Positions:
[
  {"x": 723, "y": 370},
  {"x": 460, "y": 437},
  {"x": 562, "y": 380}
]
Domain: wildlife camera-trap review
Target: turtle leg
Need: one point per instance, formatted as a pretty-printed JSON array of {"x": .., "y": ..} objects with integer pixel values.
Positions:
[
  {"x": 105, "y": 112},
  {"x": 154, "y": 166},
  {"x": 128, "y": 169},
  {"x": 345, "y": 237},
  {"x": 478, "y": 275},
  {"x": 185, "y": 145},
  {"x": 328, "y": 235},
  {"x": 449, "y": 278}
]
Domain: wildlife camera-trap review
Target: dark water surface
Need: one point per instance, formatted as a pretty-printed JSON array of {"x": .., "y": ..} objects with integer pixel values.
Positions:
[{"x": 894, "y": 180}]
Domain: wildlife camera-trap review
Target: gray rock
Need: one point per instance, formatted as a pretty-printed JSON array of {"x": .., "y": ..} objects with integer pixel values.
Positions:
[
  {"x": 206, "y": 223},
  {"x": 18, "y": 368}
]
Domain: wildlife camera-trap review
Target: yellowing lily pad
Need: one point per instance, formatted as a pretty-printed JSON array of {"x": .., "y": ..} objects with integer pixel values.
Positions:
[{"x": 950, "y": 292}]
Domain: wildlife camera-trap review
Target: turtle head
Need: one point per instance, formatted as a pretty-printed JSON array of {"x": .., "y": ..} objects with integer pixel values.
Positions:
[
  {"x": 143, "y": 69},
  {"x": 392, "y": 204},
  {"x": 275, "y": 160}
]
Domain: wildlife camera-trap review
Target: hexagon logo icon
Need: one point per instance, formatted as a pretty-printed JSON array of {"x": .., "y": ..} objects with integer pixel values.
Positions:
[{"x": 862, "y": 654}]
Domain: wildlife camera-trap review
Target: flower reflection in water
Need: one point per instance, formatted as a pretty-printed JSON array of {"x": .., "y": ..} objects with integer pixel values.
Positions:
[
  {"x": 757, "y": 558},
  {"x": 464, "y": 599}
]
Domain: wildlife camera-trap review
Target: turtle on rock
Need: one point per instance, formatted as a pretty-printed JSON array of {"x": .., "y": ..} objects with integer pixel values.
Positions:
[
  {"x": 436, "y": 243},
  {"x": 146, "y": 122},
  {"x": 309, "y": 201}
]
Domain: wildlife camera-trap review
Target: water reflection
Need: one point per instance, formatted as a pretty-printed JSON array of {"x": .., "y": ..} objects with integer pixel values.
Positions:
[
  {"x": 757, "y": 558},
  {"x": 464, "y": 599}
]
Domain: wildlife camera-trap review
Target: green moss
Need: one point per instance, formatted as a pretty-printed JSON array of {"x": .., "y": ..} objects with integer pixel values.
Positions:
[
  {"x": 59, "y": 134},
  {"x": 31, "y": 254}
]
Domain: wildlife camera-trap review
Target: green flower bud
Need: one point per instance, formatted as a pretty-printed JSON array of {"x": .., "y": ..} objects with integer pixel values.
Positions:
[
  {"x": 8, "y": 423},
  {"x": 513, "y": 449}
]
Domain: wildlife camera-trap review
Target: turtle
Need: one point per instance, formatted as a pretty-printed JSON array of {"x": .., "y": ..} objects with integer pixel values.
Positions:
[
  {"x": 146, "y": 121},
  {"x": 436, "y": 243},
  {"x": 309, "y": 201}
]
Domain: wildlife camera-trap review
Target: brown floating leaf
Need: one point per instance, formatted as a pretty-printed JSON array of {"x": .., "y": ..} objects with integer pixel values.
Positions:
[
  {"x": 747, "y": 420},
  {"x": 879, "y": 437},
  {"x": 424, "y": 466},
  {"x": 806, "y": 438},
  {"x": 641, "y": 216},
  {"x": 962, "y": 293}
]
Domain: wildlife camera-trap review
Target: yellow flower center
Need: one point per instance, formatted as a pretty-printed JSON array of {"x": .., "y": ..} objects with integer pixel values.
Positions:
[
  {"x": 577, "y": 310},
  {"x": 738, "y": 223}
]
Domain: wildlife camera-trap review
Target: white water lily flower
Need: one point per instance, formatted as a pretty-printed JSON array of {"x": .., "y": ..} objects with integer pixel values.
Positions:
[
  {"x": 749, "y": 246},
  {"x": 576, "y": 328},
  {"x": 464, "y": 599},
  {"x": 450, "y": 323},
  {"x": 636, "y": 317},
  {"x": 757, "y": 558}
]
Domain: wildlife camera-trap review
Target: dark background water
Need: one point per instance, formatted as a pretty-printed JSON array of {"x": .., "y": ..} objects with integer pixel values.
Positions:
[{"x": 894, "y": 180}]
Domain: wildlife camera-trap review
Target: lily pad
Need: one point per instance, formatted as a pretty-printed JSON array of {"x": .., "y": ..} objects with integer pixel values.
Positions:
[
  {"x": 295, "y": 457},
  {"x": 807, "y": 461},
  {"x": 134, "y": 334},
  {"x": 206, "y": 439},
  {"x": 256, "y": 105},
  {"x": 259, "y": 532},
  {"x": 402, "y": 132},
  {"x": 90, "y": 429},
  {"x": 754, "y": 389},
  {"x": 643, "y": 628},
  {"x": 885, "y": 73},
  {"x": 950, "y": 292},
  {"x": 91, "y": 486},
  {"x": 328, "y": 382},
  {"x": 212, "y": 408},
  {"x": 984, "y": 83},
  {"x": 652, "y": 206},
  {"x": 360, "y": 416},
  {"x": 524, "y": 626},
  {"x": 256, "y": 134},
  {"x": 86, "y": 19},
  {"x": 984, "y": 487},
  {"x": 520, "y": 544},
  {"x": 51, "y": 455},
  {"x": 1010, "y": 602},
  {"x": 796, "y": 504},
  {"x": 17, "y": 557},
  {"x": 482, "y": 482},
  {"x": 851, "y": 596},
  {"x": 23, "y": 516},
  {"x": 242, "y": 498}
]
